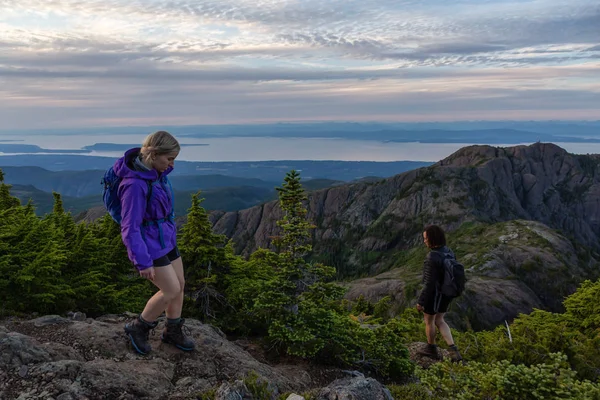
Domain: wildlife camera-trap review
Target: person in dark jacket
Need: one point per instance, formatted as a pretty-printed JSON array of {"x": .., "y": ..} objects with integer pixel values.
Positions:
[
  {"x": 431, "y": 301},
  {"x": 149, "y": 233}
]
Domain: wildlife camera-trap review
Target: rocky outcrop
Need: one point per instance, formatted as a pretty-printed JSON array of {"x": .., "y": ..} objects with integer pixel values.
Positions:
[
  {"x": 90, "y": 215},
  {"x": 54, "y": 357},
  {"x": 356, "y": 388}
]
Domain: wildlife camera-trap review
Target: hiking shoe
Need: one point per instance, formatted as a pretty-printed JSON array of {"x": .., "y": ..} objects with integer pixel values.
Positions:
[
  {"x": 430, "y": 350},
  {"x": 138, "y": 331},
  {"x": 173, "y": 334},
  {"x": 456, "y": 354}
]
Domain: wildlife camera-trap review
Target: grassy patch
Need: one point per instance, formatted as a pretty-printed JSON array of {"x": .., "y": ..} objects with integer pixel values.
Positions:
[
  {"x": 411, "y": 290},
  {"x": 208, "y": 395},
  {"x": 410, "y": 260},
  {"x": 411, "y": 391}
]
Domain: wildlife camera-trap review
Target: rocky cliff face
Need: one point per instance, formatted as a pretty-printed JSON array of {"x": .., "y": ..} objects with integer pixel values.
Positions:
[{"x": 541, "y": 182}]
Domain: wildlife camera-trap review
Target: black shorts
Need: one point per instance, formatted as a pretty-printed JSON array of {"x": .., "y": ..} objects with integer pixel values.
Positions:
[
  {"x": 442, "y": 307},
  {"x": 167, "y": 259}
]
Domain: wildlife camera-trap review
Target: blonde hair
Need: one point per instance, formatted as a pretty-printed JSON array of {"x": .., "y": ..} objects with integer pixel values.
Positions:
[{"x": 157, "y": 143}]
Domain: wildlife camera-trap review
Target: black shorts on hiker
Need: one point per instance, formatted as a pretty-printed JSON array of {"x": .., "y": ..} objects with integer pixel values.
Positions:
[
  {"x": 444, "y": 303},
  {"x": 167, "y": 259}
]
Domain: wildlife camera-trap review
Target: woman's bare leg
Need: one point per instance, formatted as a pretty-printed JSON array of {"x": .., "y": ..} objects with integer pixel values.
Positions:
[
  {"x": 444, "y": 328},
  {"x": 165, "y": 278},
  {"x": 429, "y": 327},
  {"x": 175, "y": 306}
]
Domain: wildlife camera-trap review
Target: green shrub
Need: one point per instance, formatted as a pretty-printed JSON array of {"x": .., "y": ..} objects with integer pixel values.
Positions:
[
  {"x": 537, "y": 335},
  {"x": 258, "y": 387},
  {"x": 411, "y": 391},
  {"x": 503, "y": 380}
]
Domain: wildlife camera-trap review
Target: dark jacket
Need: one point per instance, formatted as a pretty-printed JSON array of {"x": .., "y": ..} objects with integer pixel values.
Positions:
[
  {"x": 433, "y": 273},
  {"x": 145, "y": 242}
]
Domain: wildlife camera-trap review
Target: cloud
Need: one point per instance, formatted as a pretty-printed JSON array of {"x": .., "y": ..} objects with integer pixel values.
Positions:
[{"x": 305, "y": 53}]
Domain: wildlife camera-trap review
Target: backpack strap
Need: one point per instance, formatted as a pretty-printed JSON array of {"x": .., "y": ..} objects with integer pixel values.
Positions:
[
  {"x": 149, "y": 195},
  {"x": 444, "y": 255},
  {"x": 172, "y": 197},
  {"x": 170, "y": 193}
]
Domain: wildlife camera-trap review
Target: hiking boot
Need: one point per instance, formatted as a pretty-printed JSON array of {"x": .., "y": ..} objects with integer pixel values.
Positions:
[
  {"x": 431, "y": 351},
  {"x": 137, "y": 331},
  {"x": 173, "y": 334},
  {"x": 456, "y": 354}
]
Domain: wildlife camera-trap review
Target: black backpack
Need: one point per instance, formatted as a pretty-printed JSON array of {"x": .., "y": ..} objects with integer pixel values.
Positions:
[{"x": 454, "y": 276}]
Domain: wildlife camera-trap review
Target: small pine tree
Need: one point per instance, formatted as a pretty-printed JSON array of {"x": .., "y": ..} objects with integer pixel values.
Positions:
[
  {"x": 206, "y": 261},
  {"x": 6, "y": 200},
  {"x": 295, "y": 241},
  {"x": 58, "y": 208},
  {"x": 296, "y": 300}
]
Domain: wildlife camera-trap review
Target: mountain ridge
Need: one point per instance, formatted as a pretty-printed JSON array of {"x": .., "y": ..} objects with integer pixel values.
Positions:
[{"x": 472, "y": 171}]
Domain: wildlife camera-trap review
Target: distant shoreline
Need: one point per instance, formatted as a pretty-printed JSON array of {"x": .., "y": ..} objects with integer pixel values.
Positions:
[{"x": 123, "y": 147}]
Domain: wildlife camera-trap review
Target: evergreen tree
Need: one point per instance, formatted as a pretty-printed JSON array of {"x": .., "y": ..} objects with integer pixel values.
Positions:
[
  {"x": 294, "y": 244},
  {"x": 88, "y": 273},
  {"x": 29, "y": 208},
  {"x": 293, "y": 274},
  {"x": 297, "y": 300},
  {"x": 130, "y": 292},
  {"x": 15, "y": 225},
  {"x": 63, "y": 221},
  {"x": 40, "y": 259},
  {"x": 206, "y": 258},
  {"x": 58, "y": 208},
  {"x": 7, "y": 201},
  {"x": 53, "y": 265}
]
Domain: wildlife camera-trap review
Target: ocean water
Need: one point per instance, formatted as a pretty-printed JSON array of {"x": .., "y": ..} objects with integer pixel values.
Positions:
[{"x": 267, "y": 148}]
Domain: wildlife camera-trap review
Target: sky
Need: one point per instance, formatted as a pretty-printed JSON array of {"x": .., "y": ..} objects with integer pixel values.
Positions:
[{"x": 90, "y": 63}]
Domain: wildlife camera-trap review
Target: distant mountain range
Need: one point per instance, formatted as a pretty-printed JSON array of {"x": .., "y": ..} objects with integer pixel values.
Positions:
[
  {"x": 87, "y": 183},
  {"x": 10, "y": 148},
  {"x": 338, "y": 129},
  {"x": 480, "y": 136},
  {"x": 124, "y": 147},
  {"x": 224, "y": 198},
  {"x": 81, "y": 190},
  {"x": 270, "y": 171}
]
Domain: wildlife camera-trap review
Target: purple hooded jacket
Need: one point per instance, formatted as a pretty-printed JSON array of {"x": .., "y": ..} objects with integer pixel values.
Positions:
[{"x": 144, "y": 237}]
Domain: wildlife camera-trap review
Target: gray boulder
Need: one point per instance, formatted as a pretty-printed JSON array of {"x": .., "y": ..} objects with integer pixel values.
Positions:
[{"x": 357, "y": 388}]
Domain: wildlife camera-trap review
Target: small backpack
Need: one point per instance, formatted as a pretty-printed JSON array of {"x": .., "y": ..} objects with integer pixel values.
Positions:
[
  {"x": 110, "y": 195},
  {"x": 111, "y": 183},
  {"x": 454, "y": 276}
]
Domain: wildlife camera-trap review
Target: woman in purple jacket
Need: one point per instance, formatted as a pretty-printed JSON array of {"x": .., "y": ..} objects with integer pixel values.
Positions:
[{"x": 149, "y": 233}]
